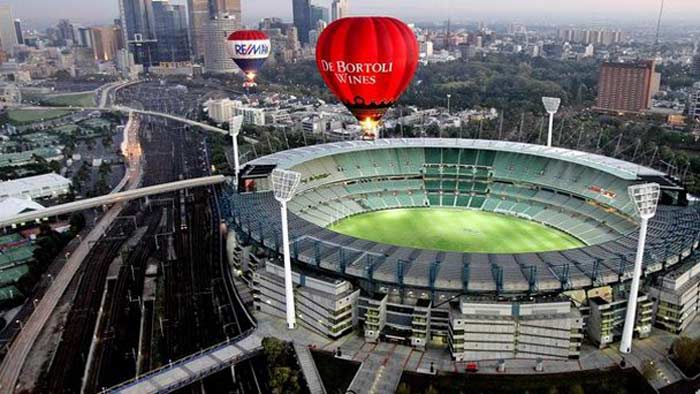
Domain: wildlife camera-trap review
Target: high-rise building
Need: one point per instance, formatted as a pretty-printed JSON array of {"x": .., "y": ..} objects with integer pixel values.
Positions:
[
  {"x": 626, "y": 87},
  {"x": 170, "y": 25},
  {"x": 8, "y": 35},
  {"x": 216, "y": 57},
  {"x": 339, "y": 9},
  {"x": 18, "y": 32},
  {"x": 84, "y": 37},
  {"x": 696, "y": 65},
  {"x": 201, "y": 12},
  {"x": 138, "y": 29},
  {"x": 316, "y": 14},
  {"x": 694, "y": 103},
  {"x": 106, "y": 42},
  {"x": 199, "y": 15},
  {"x": 65, "y": 32},
  {"x": 301, "y": 10}
]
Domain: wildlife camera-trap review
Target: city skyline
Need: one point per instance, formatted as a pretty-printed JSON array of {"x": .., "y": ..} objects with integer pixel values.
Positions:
[{"x": 101, "y": 11}]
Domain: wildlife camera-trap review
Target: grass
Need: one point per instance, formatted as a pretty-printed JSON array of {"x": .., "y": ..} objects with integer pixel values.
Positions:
[
  {"x": 76, "y": 100},
  {"x": 456, "y": 230},
  {"x": 23, "y": 116}
]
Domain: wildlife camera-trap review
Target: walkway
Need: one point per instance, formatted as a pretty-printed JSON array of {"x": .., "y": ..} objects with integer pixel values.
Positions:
[
  {"x": 192, "y": 368},
  {"x": 308, "y": 367},
  {"x": 109, "y": 199}
]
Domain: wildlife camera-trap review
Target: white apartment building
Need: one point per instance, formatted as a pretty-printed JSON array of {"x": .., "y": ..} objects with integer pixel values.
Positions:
[
  {"x": 676, "y": 296},
  {"x": 251, "y": 116},
  {"x": 221, "y": 111}
]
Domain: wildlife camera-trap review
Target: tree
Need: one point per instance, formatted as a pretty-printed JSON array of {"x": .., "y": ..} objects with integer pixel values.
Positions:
[
  {"x": 284, "y": 380},
  {"x": 576, "y": 389},
  {"x": 431, "y": 390},
  {"x": 273, "y": 349},
  {"x": 403, "y": 388}
]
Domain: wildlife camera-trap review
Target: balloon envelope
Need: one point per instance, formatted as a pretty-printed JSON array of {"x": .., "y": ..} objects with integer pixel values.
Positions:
[
  {"x": 249, "y": 49},
  {"x": 367, "y": 62}
]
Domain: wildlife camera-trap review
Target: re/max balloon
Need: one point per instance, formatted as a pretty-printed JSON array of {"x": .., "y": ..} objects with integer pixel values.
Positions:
[
  {"x": 367, "y": 62},
  {"x": 249, "y": 49}
]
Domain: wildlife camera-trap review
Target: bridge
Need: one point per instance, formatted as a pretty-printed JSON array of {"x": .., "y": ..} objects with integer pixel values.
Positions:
[
  {"x": 193, "y": 367},
  {"x": 110, "y": 199}
]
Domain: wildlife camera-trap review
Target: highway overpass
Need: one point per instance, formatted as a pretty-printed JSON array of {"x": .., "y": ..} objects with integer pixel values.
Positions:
[{"x": 110, "y": 199}]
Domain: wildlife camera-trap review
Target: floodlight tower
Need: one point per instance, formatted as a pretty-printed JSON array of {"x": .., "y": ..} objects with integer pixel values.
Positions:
[
  {"x": 645, "y": 198},
  {"x": 284, "y": 184},
  {"x": 234, "y": 127},
  {"x": 551, "y": 105}
]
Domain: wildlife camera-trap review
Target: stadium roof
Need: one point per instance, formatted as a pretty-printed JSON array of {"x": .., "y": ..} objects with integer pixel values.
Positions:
[
  {"x": 618, "y": 168},
  {"x": 13, "y": 206}
]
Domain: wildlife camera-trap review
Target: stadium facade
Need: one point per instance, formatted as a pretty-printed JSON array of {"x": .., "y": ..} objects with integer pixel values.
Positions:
[{"x": 479, "y": 306}]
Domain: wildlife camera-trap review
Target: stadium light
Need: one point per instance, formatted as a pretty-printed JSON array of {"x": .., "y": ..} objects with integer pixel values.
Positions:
[
  {"x": 284, "y": 184},
  {"x": 645, "y": 198},
  {"x": 551, "y": 105},
  {"x": 234, "y": 127}
]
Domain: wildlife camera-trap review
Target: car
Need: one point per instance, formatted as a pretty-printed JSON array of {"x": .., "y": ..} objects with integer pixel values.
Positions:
[{"x": 472, "y": 367}]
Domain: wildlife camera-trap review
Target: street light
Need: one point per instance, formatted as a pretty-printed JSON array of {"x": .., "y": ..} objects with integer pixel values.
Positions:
[
  {"x": 645, "y": 198},
  {"x": 551, "y": 105},
  {"x": 284, "y": 184},
  {"x": 234, "y": 128}
]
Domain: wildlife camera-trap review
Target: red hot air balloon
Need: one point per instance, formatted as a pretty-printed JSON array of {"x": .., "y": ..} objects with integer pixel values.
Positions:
[
  {"x": 367, "y": 62},
  {"x": 249, "y": 49}
]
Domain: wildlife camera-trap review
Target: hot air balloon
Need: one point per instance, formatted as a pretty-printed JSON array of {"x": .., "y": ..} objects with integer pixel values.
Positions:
[
  {"x": 249, "y": 49},
  {"x": 367, "y": 62}
]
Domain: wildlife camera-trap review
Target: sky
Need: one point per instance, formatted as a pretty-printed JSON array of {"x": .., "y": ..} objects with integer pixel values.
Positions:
[{"x": 41, "y": 12}]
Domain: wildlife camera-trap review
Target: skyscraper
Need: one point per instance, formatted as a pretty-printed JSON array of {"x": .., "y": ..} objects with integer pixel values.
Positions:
[
  {"x": 8, "y": 35},
  {"x": 18, "y": 31},
  {"x": 201, "y": 12},
  {"x": 65, "y": 32},
  {"x": 301, "y": 10},
  {"x": 626, "y": 87},
  {"x": 339, "y": 9},
  {"x": 138, "y": 30},
  {"x": 199, "y": 16},
  {"x": 106, "y": 42},
  {"x": 216, "y": 31},
  {"x": 316, "y": 14},
  {"x": 170, "y": 25},
  {"x": 696, "y": 65},
  {"x": 694, "y": 103}
]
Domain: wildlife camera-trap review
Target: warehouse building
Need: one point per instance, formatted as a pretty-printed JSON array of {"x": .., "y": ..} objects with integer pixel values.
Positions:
[{"x": 35, "y": 187}]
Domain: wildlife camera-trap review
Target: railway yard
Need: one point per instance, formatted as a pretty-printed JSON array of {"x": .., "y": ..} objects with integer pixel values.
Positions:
[{"x": 155, "y": 287}]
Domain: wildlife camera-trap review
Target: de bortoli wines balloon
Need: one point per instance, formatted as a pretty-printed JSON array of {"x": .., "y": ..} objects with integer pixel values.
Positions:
[{"x": 367, "y": 62}]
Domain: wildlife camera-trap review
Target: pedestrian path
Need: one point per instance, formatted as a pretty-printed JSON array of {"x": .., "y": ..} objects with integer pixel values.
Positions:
[{"x": 308, "y": 367}]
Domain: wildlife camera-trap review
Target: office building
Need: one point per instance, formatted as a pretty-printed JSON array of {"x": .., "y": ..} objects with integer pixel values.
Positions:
[
  {"x": 694, "y": 103},
  {"x": 251, "y": 116},
  {"x": 170, "y": 25},
  {"x": 198, "y": 16},
  {"x": 18, "y": 31},
  {"x": 138, "y": 30},
  {"x": 66, "y": 34},
  {"x": 301, "y": 10},
  {"x": 696, "y": 65},
  {"x": 201, "y": 12},
  {"x": 317, "y": 14},
  {"x": 106, "y": 42},
  {"x": 8, "y": 35},
  {"x": 216, "y": 57},
  {"x": 84, "y": 37},
  {"x": 626, "y": 87},
  {"x": 339, "y": 9}
]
